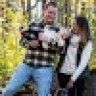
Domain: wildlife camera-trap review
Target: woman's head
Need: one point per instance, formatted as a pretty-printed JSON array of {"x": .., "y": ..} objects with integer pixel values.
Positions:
[{"x": 82, "y": 26}]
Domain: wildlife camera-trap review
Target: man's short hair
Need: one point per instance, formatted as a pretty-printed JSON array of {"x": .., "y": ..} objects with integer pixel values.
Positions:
[{"x": 50, "y": 4}]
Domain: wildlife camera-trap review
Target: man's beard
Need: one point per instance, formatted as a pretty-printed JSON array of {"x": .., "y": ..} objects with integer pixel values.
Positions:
[{"x": 49, "y": 22}]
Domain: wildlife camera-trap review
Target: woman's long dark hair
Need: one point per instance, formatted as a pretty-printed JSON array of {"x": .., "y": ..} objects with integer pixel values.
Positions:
[{"x": 82, "y": 22}]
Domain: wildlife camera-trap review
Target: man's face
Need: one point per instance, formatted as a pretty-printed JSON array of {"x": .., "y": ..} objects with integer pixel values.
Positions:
[{"x": 50, "y": 14}]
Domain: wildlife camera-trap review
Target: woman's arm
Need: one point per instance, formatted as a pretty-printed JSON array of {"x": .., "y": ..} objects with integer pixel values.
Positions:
[{"x": 84, "y": 61}]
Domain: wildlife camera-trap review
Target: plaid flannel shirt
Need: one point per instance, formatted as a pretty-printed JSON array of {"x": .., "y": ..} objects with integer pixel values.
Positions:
[{"x": 39, "y": 56}]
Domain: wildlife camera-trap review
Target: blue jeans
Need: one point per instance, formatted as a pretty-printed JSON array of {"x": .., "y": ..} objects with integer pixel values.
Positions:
[{"x": 42, "y": 76}]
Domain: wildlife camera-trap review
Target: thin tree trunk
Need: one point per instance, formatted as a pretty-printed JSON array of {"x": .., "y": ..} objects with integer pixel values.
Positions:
[
  {"x": 29, "y": 8},
  {"x": 23, "y": 6}
]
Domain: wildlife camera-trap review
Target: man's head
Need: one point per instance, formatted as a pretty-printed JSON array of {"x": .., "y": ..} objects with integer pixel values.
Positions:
[{"x": 50, "y": 12}]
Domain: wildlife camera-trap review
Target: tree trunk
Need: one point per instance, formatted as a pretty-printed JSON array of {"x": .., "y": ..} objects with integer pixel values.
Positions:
[{"x": 29, "y": 8}]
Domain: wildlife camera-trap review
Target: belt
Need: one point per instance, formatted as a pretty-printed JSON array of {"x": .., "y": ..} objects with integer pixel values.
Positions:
[{"x": 38, "y": 66}]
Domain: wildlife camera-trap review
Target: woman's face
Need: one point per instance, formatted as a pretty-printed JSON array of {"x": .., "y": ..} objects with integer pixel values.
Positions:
[{"x": 76, "y": 28}]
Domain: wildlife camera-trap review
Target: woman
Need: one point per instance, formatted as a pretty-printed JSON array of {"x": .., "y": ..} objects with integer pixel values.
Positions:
[{"x": 74, "y": 62}]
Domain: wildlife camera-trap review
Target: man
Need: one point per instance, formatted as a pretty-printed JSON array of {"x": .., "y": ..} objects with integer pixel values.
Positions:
[{"x": 38, "y": 61}]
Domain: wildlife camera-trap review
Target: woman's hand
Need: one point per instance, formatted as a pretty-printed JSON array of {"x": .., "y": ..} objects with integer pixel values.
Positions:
[
  {"x": 64, "y": 33},
  {"x": 70, "y": 84}
]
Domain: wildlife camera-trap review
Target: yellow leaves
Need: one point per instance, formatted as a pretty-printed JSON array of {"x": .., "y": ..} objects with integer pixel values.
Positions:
[
  {"x": 9, "y": 14},
  {"x": 11, "y": 53},
  {"x": 10, "y": 40},
  {"x": 93, "y": 60}
]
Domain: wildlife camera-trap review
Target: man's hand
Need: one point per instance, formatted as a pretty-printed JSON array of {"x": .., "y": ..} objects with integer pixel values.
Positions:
[
  {"x": 43, "y": 38},
  {"x": 34, "y": 43},
  {"x": 23, "y": 29}
]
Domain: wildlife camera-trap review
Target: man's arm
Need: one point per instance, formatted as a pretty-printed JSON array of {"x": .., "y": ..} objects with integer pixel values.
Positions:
[
  {"x": 25, "y": 40},
  {"x": 55, "y": 40}
]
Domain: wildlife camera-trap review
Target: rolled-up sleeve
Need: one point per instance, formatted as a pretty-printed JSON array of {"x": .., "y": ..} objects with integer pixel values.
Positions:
[{"x": 24, "y": 42}]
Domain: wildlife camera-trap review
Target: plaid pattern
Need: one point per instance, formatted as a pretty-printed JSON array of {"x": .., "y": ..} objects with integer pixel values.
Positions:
[{"x": 42, "y": 55}]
